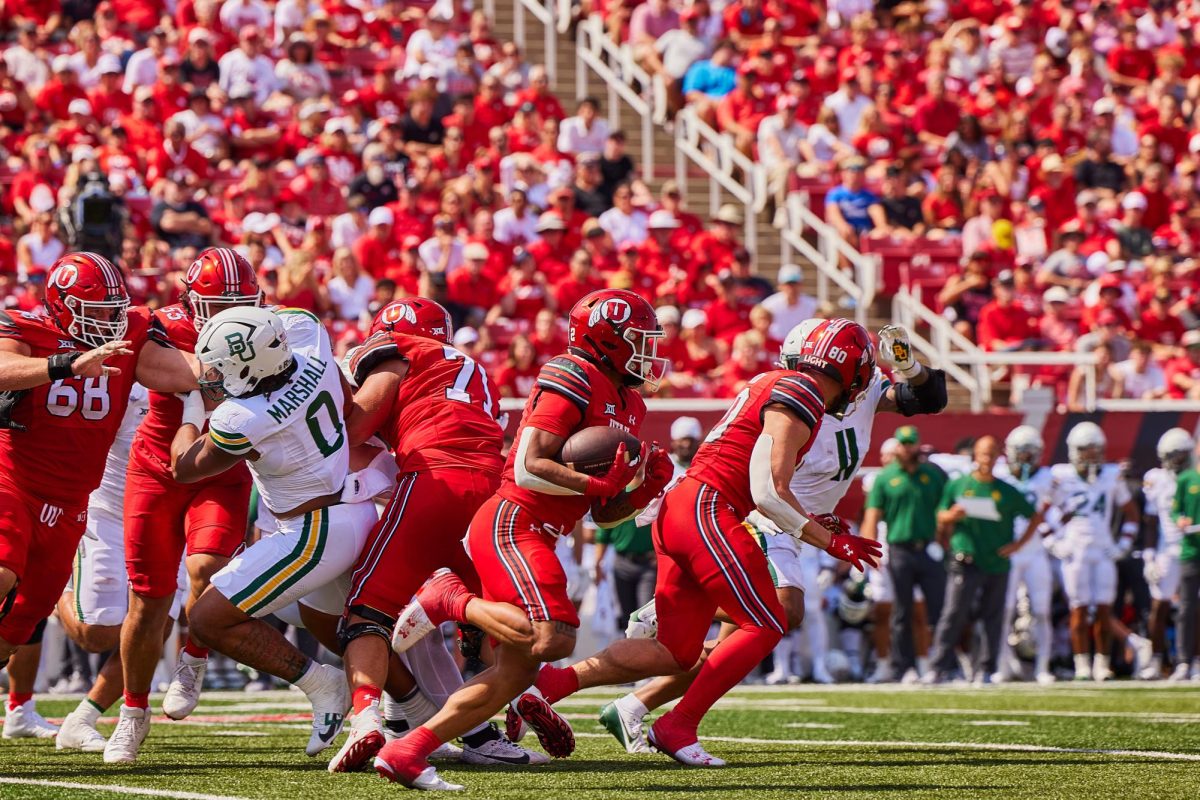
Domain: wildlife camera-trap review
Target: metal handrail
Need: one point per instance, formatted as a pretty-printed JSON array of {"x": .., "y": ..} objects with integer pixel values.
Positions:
[
  {"x": 860, "y": 287},
  {"x": 544, "y": 13}
]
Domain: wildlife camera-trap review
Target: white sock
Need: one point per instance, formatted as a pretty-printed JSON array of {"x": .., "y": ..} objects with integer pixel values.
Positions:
[
  {"x": 783, "y": 655},
  {"x": 818, "y": 638},
  {"x": 1083, "y": 665},
  {"x": 632, "y": 706},
  {"x": 418, "y": 708},
  {"x": 311, "y": 680},
  {"x": 192, "y": 661},
  {"x": 1042, "y": 640},
  {"x": 1134, "y": 640},
  {"x": 1103, "y": 663},
  {"x": 87, "y": 711},
  {"x": 391, "y": 708}
]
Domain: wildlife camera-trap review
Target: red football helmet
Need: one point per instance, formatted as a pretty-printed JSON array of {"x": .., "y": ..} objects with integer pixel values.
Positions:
[
  {"x": 619, "y": 329},
  {"x": 840, "y": 349},
  {"x": 87, "y": 299},
  {"x": 218, "y": 279},
  {"x": 418, "y": 316}
]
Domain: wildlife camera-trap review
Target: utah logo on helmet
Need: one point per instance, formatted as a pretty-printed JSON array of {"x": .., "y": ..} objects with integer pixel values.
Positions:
[
  {"x": 86, "y": 298},
  {"x": 219, "y": 278},
  {"x": 619, "y": 330},
  {"x": 417, "y": 316}
]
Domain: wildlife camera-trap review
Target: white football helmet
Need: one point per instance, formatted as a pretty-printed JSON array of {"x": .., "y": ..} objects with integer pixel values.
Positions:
[
  {"x": 239, "y": 348},
  {"x": 793, "y": 344},
  {"x": 1175, "y": 450},
  {"x": 1023, "y": 448},
  {"x": 1085, "y": 446}
]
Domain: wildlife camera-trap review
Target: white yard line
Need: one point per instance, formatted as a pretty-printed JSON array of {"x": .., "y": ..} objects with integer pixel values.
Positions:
[
  {"x": 1013, "y": 748},
  {"x": 117, "y": 789}
]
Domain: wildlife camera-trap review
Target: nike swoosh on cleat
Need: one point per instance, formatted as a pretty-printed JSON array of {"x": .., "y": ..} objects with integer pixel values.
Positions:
[
  {"x": 522, "y": 759},
  {"x": 331, "y": 728}
]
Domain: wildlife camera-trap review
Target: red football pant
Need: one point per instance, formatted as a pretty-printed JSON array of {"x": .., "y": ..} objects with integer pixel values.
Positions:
[
  {"x": 163, "y": 517},
  {"x": 421, "y": 530},
  {"x": 514, "y": 556},
  {"x": 708, "y": 559},
  {"x": 37, "y": 542}
]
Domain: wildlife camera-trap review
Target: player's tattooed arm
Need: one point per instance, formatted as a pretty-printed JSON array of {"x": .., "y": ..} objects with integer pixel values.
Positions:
[
  {"x": 165, "y": 369},
  {"x": 371, "y": 405}
]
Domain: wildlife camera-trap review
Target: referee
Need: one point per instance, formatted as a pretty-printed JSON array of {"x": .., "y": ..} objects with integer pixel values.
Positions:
[{"x": 905, "y": 497}]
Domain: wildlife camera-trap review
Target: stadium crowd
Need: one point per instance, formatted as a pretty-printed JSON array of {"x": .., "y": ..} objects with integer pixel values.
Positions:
[
  {"x": 355, "y": 155},
  {"x": 1031, "y": 164}
]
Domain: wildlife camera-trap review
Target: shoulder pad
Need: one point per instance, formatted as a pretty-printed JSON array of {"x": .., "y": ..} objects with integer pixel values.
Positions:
[
  {"x": 374, "y": 351},
  {"x": 9, "y": 327},
  {"x": 567, "y": 377},
  {"x": 799, "y": 394}
]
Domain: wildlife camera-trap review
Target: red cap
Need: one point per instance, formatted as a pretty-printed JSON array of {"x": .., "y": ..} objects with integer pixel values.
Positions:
[
  {"x": 746, "y": 68},
  {"x": 1180, "y": 207},
  {"x": 786, "y": 101},
  {"x": 1108, "y": 317},
  {"x": 689, "y": 13},
  {"x": 627, "y": 247},
  {"x": 482, "y": 163},
  {"x": 828, "y": 53},
  {"x": 1109, "y": 281},
  {"x": 849, "y": 74},
  {"x": 286, "y": 195}
]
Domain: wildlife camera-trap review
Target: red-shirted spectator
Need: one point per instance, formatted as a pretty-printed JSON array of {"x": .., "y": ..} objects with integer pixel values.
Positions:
[
  {"x": 470, "y": 286},
  {"x": 551, "y": 252},
  {"x": 1157, "y": 324},
  {"x": 1109, "y": 301},
  {"x": 316, "y": 190},
  {"x": 109, "y": 101},
  {"x": 544, "y": 102},
  {"x": 716, "y": 247},
  {"x": 1158, "y": 202},
  {"x": 936, "y": 115},
  {"x": 1128, "y": 64},
  {"x": 727, "y": 315},
  {"x": 1003, "y": 323},
  {"x": 142, "y": 126},
  {"x": 57, "y": 93},
  {"x": 746, "y": 360},
  {"x": 524, "y": 291},
  {"x": 378, "y": 250},
  {"x": 740, "y": 112},
  {"x": 1183, "y": 372},
  {"x": 1056, "y": 193},
  {"x": 176, "y": 157},
  {"x": 517, "y": 375},
  {"x": 744, "y": 21},
  {"x": 578, "y": 282},
  {"x": 548, "y": 337}
]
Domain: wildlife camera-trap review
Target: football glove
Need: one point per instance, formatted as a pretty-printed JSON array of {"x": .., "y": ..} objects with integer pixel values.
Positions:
[
  {"x": 896, "y": 352},
  {"x": 855, "y": 550},
  {"x": 659, "y": 471},
  {"x": 1150, "y": 569},
  {"x": 8, "y": 404},
  {"x": 1057, "y": 546},
  {"x": 613, "y": 482}
]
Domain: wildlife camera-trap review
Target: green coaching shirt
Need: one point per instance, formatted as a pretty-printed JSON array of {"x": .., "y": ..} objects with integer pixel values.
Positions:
[
  {"x": 628, "y": 538},
  {"x": 981, "y": 539},
  {"x": 1187, "y": 504},
  {"x": 908, "y": 501}
]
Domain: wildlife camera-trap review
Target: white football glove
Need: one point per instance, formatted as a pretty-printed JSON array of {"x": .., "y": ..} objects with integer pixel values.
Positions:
[
  {"x": 896, "y": 351},
  {"x": 763, "y": 523},
  {"x": 370, "y": 481},
  {"x": 194, "y": 412},
  {"x": 1057, "y": 546},
  {"x": 1150, "y": 569}
]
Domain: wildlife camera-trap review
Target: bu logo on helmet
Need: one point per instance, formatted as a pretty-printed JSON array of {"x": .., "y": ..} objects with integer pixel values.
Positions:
[
  {"x": 65, "y": 276},
  {"x": 614, "y": 310},
  {"x": 239, "y": 346}
]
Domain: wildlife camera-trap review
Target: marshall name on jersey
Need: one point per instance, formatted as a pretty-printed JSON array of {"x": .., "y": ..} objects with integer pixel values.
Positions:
[
  {"x": 837, "y": 451},
  {"x": 570, "y": 394},
  {"x": 70, "y": 424},
  {"x": 1159, "y": 487},
  {"x": 1091, "y": 504},
  {"x": 297, "y": 430},
  {"x": 723, "y": 460},
  {"x": 446, "y": 409}
]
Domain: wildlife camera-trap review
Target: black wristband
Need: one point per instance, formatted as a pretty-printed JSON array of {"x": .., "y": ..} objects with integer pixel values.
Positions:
[{"x": 59, "y": 365}]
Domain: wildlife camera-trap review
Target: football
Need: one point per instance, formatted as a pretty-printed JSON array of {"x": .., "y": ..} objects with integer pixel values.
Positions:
[{"x": 591, "y": 450}]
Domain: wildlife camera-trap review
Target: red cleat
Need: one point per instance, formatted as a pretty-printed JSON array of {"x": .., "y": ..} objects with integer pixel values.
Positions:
[
  {"x": 443, "y": 598},
  {"x": 552, "y": 729},
  {"x": 397, "y": 765}
]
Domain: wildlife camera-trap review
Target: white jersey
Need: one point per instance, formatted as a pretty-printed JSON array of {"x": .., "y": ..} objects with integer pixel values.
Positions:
[
  {"x": 1036, "y": 489},
  {"x": 297, "y": 430},
  {"x": 109, "y": 496},
  {"x": 830, "y": 465},
  {"x": 1159, "y": 487},
  {"x": 1092, "y": 505}
]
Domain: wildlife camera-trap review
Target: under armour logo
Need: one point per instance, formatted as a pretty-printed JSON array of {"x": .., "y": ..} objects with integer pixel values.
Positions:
[
  {"x": 847, "y": 549},
  {"x": 610, "y": 409},
  {"x": 50, "y": 515},
  {"x": 632, "y": 419}
]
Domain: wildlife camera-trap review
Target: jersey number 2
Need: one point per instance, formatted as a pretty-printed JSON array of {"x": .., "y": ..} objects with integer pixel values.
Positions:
[{"x": 63, "y": 398}]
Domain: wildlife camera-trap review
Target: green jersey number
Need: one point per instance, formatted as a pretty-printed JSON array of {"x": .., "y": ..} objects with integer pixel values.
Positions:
[
  {"x": 324, "y": 444},
  {"x": 847, "y": 447}
]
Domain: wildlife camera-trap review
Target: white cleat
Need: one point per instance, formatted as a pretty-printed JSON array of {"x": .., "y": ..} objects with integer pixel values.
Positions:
[
  {"x": 76, "y": 733},
  {"x": 882, "y": 673},
  {"x": 1179, "y": 674},
  {"x": 365, "y": 740},
  {"x": 912, "y": 677},
  {"x": 427, "y": 781},
  {"x": 412, "y": 626},
  {"x": 330, "y": 701},
  {"x": 1046, "y": 678},
  {"x": 821, "y": 675},
  {"x": 693, "y": 755},
  {"x": 446, "y": 751},
  {"x": 1143, "y": 657},
  {"x": 1152, "y": 671},
  {"x": 132, "y": 726},
  {"x": 24, "y": 722},
  {"x": 184, "y": 692},
  {"x": 629, "y": 729},
  {"x": 643, "y": 623},
  {"x": 501, "y": 751}
]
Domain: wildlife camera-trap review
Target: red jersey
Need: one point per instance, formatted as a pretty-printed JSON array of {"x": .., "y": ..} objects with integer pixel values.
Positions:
[
  {"x": 70, "y": 423},
  {"x": 446, "y": 409},
  {"x": 152, "y": 445},
  {"x": 723, "y": 460},
  {"x": 570, "y": 394}
]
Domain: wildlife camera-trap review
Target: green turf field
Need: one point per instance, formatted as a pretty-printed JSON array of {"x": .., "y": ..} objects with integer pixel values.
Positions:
[{"x": 1069, "y": 741}]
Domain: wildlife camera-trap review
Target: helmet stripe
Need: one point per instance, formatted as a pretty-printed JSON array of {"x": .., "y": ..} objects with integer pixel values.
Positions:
[{"x": 112, "y": 278}]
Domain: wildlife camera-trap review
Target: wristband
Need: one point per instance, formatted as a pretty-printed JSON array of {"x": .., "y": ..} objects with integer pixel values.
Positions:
[
  {"x": 59, "y": 365},
  {"x": 911, "y": 372}
]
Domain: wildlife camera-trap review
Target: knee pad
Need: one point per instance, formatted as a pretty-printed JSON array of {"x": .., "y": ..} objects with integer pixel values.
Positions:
[
  {"x": 377, "y": 624},
  {"x": 38, "y": 633}
]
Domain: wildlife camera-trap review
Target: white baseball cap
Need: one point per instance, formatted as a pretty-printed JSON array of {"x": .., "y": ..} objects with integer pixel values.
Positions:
[
  {"x": 693, "y": 318},
  {"x": 667, "y": 315},
  {"x": 1056, "y": 294},
  {"x": 381, "y": 215},
  {"x": 79, "y": 106},
  {"x": 686, "y": 428},
  {"x": 1134, "y": 200},
  {"x": 108, "y": 64},
  {"x": 663, "y": 219},
  {"x": 791, "y": 273},
  {"x": 465, "y": 336}
]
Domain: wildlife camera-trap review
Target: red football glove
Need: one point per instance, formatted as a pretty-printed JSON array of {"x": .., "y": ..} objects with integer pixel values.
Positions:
[
  {"x": 832, "y": 523},
  {"x": 855, "y": 549},
  {"x": 613, "y": 482},
  {"x": 659, "y": 471}
]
